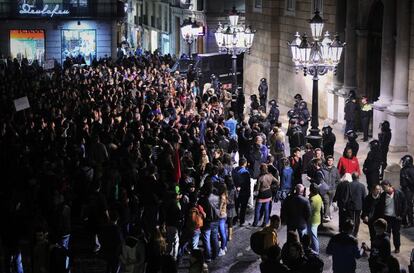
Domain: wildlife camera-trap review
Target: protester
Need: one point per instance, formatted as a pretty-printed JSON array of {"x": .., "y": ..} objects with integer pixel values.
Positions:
[
  {"x": 241, "y": 178},
  {"x": 328, "y": 140},
  {"x": 366, "y": 113},
  {"x": 372, "y": 164},
  {"x": 392, "y": 207},
  {"x": 357, "y": 196},
  {"x": 296, "y": 211},
  {"x": 380, "y": 246},
  {"x": 342, "y": 199},
  {"x": 370, "y": 211},
  {"x": 272, "y": 261},
  {"x": 348, "y": 163},
  {"x": 331, "y": 180},
  {"x": 344, "y": 249},
  {"x": 350, "y": 111},
  {"x": 315, "y": 217},
  {"x": 384, "y": 138}
]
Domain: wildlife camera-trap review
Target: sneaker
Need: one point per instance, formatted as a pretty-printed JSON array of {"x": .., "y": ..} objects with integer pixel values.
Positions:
[{"x": 222, "y": 252}]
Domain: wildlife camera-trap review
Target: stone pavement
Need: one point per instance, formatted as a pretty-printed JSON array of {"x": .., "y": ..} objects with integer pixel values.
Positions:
[{"x": 240, "y": 258}]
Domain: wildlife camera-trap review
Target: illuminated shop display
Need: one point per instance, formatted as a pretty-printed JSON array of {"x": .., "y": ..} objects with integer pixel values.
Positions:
[
  {"x": 79, "y": 43},
  {"x": 30, "y": 44}
]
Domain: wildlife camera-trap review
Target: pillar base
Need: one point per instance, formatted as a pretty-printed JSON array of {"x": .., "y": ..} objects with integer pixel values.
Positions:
[
  {"x": 398, "y": 118},
  {"x": 332, "y": 105},
  {"x": 314, "y": 138}
]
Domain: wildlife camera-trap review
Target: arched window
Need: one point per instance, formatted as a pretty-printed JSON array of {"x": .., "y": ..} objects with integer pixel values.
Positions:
[
  {"x": 317, "y": 5},
  {"x": 290, "y": 7}
]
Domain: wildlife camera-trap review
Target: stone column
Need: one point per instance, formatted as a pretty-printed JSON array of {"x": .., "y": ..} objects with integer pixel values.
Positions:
[
  {"x": 350, "y": 58},
  {"x": 387, "y": 64},
  {"x": 350, "y": 51},
  {"x": 338, "y": 81},
  {"x": 398, "y": 109}
]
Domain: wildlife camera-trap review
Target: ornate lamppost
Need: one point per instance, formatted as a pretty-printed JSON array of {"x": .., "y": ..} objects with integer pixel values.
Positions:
[
  {"x": 234, "y": 39},
  {"x": 316, "y": 58},
  {"x": 190, "y": 31}
]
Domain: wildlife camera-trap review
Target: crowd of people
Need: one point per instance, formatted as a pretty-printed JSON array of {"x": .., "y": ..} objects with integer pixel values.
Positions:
[{"x": 131, "y": 164}]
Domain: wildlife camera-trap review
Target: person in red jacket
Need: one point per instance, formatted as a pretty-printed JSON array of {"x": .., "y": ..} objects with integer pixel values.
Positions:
[{"x": 348, "y": 163}]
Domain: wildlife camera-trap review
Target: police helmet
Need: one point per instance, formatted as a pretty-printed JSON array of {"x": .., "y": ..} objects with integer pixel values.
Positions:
[{"x": 407, "y": 160}]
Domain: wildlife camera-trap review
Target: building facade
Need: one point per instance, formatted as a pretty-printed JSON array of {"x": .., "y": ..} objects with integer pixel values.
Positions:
[
  {"x": 56, "y": 29},
  {"x": 377, "y": 60}
]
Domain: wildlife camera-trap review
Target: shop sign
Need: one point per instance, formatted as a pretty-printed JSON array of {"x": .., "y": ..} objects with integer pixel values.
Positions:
[{"x": 47, "y": 11}]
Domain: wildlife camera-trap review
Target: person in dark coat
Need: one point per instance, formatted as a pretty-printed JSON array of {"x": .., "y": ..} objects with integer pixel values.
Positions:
[
  {"x": 349, "y": 110},
  {"x": 241, "y": 178},
  {"x": 366, "y": 114},
  {"x": 254, "y": 103},
  {"x": 263, "y": 88},
  {"x": 407, "y": 185},
  {"x": 372, "y": 164},
  {"x": 370, "y": 211},
  {"x": 296, "y": 211},
  {"x": 273, "y": 116},
  {"x": 111, "y": 243},
  {"x": 295, "y": 134},
  {"x": 393, "y": 208},
  {"x": 296, "y": 164},
  {"x": 384, "y": 138},
  {"x": 304, "y": 117},
  {"x": 352, "y": 143},
  {"x": 298, "y": 98},
  {"x": 380, "y": 247},
  {"x": 344, "y": 250},
  {"x": 272, "y": 261},
  {"x": 328, "y": 141},
  {"x": 357, "y": 197}
]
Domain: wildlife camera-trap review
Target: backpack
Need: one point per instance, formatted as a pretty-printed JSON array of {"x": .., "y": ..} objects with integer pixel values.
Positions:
[
  {"x": 257, "y": 240},
  {"x": 196, "y": 218}
]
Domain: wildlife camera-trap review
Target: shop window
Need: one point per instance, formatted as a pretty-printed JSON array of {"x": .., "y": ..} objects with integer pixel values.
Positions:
[
  {"x": 317, "y": 5},
  {"x": 290, "y": 7},
  {"x": 29, "y": 44},
  {"x": 80, "y": 44},
  {"x": 257, "y": 7}
]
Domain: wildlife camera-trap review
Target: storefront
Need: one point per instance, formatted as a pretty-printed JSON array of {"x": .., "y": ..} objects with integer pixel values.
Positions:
[{"x": 52, "y": 32}]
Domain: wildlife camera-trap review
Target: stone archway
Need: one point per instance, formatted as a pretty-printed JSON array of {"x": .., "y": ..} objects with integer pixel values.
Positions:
[{"x": 374, "y": 45}]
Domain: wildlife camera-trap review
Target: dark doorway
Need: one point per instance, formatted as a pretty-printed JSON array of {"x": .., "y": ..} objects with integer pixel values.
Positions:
[{"x": 374, "y": 36}]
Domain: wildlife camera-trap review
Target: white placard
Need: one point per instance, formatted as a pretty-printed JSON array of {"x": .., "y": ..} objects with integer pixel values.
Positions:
[
  {"x": 21, "y": 104},
  {"x": 49, "y": 64}
]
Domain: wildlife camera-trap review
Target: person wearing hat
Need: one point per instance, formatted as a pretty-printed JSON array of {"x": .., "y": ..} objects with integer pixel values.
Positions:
[
  {"x": 384, "y": 138},
  {"x": 372, "y": 164},
  {"x": 407, "y": 185},
  {"x": 392, "y": 207},
  {"x": 273, "y": 116},
  {"x": 298, "y": 99},
  {"x": 350, "y": 110},
  {"x": 328, "y": 140},
  {"x": 352, "y": 143},
  {"x": 263, "y": 88}
]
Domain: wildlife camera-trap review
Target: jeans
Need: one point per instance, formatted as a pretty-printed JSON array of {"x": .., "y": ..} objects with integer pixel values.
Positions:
[
  {"x": 173, "y": 241},
  {"x": 313, "y": 232},
  {"x": 257, "y": 213},
  {"x": 327, "y": 202},
  {"x": 394, "y": 226},
  {"x": 195, "y": 239},
  {"x": 301, "y": 231},
  {"x": 223, "y": 232},
  {"x": 209, "y": 234}
]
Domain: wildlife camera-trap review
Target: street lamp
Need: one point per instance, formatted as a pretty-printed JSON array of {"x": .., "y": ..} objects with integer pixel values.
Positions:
[
  {"x": 316, "y": 59},
  {"x": 190, "y": 31},
  {"x": 234, "y": 39}
]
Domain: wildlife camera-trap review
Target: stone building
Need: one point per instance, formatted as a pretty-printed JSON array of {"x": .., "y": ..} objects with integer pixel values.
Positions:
[{"x": 377, "y": 60}]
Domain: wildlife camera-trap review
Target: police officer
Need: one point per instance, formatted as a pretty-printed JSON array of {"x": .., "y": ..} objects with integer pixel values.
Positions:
[
  {"x": 352, "y": 143},
  {"x": 384, "y": 138},
  {"x": 263, "y": 88},
  {"x": 328, "y": 140},
  {"x": 304, "y": 116},
  {"x": 273, "y": 116},
  {"x": 349, "y": 110},
  {"x": 407, "y": 185},
  {"x": 295, "y": 134},
  {"x": 366, "y": 113},
  {"x": 372, "y": 164},
  {"x": 298, "y": 99}
]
